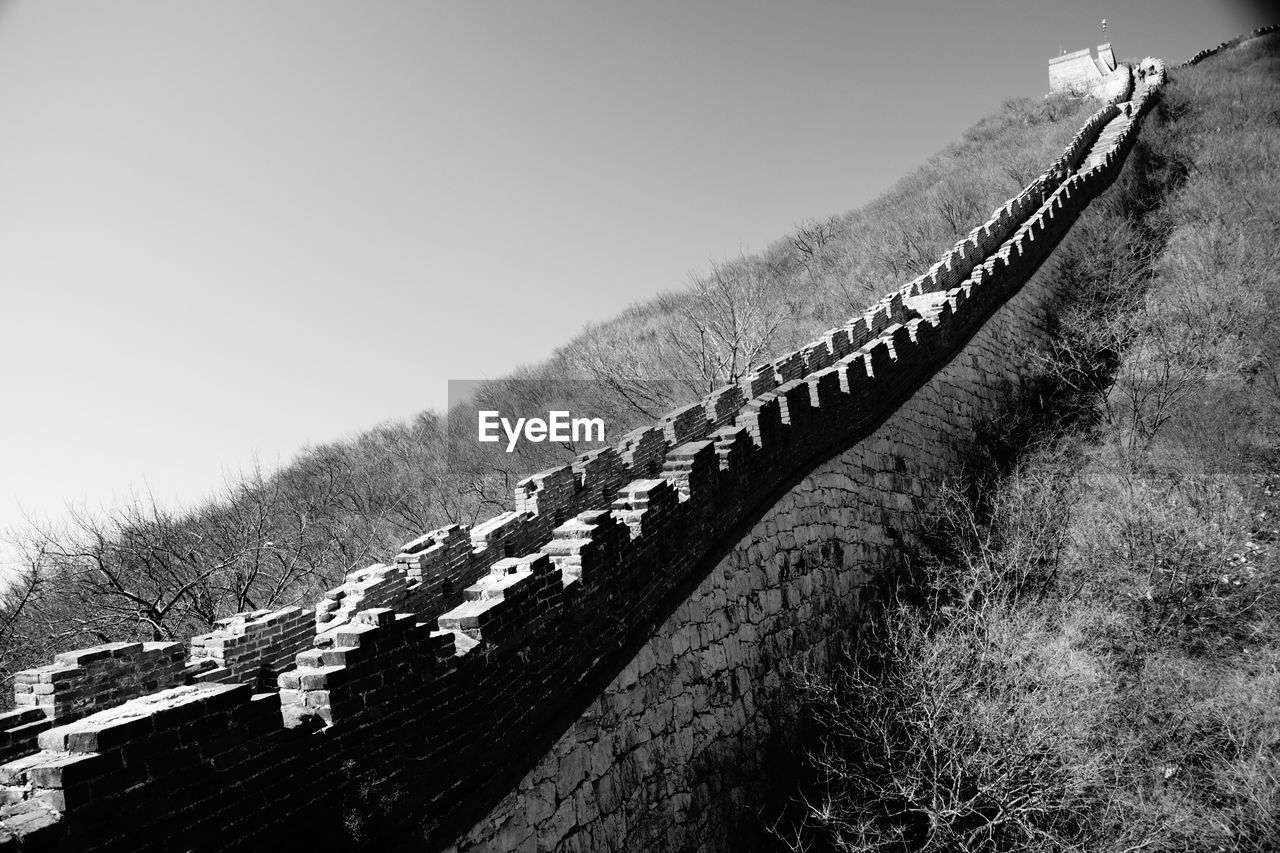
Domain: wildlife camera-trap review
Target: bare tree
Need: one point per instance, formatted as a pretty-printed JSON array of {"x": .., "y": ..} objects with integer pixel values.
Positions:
[
  {"x": 813, "y": 241},
  {"x": 958, "y": 203},
  {"x": 726, "y": 324},
  {"x": 628, "y": 369}
]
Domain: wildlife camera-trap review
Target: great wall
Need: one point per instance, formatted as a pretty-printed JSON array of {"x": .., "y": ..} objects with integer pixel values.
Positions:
[
  {"x": 1230, "y": 43},
  {"x": 1081, "y": 73},
  {"x": 597, "y": 668}
]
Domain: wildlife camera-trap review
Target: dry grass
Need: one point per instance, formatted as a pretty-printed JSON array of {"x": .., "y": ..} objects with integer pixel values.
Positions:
[{"x": 1088, "y": 657}]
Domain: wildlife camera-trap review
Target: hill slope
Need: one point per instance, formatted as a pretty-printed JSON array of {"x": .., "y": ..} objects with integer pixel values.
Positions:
[
  {"x": 1089, "y": 655},
  {"x": 279, "y": 538}
]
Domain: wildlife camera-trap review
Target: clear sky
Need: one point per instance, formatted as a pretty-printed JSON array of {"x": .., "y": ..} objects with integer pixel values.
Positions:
[{"x": 229, "y": 229}]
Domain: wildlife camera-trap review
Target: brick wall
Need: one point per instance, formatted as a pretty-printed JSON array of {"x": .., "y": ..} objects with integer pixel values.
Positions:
[
  {"x": 87, "y": 680},
  {"x": 1081, "y": 73},
  {"x": 251, "y": 647},
  {"x": 1230, "y": 43}
]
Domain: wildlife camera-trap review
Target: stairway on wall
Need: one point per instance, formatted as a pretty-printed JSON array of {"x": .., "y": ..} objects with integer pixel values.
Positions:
[{"x": 1113, "y": 130}]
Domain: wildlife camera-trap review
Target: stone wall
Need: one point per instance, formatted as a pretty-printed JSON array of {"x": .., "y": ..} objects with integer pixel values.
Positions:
[
  {"x": 81, "y": 682},
  {"x": 675, "y": 753},
  {"x": 251, "y": 647},
  {"x": 1082, "y": 73},
  {"x": 1230, "y": 43},
  {"x": 640, "y": 588}
]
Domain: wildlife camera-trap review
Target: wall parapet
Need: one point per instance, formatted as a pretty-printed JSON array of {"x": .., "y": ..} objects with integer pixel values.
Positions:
[
  {"x": 1230, "y": 43},
  {"x": 251, "y": 647},
  {"x": 87, "y": 680},
  {"x": 1080, "y": 72},
  {"x": 449, "y": 667}
]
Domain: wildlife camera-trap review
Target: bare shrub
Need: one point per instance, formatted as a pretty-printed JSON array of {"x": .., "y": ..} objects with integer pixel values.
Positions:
[
  {"x": 975, "y": 735},
  {"x": 724, "y": 324},
  {"x": 1086, "y": 656}
]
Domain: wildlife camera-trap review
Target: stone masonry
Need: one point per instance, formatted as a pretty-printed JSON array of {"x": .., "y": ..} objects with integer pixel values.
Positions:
[
  {"x": 1080, "y": 73},
  {"x": 673, "y": 753}
]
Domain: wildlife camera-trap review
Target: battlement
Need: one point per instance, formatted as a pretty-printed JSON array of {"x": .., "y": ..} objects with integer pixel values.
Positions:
[
  {"x": 251, "y": 647},
  {"x": 1230, "y": 43},
  {"x": 81, "y": 682},
  {"x": 449, "y": 666}
]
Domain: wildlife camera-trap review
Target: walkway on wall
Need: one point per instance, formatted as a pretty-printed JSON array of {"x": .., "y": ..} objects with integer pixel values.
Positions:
[
  {"x": 1107, "y": 138},
  {"x": 1114, "y": 124}
]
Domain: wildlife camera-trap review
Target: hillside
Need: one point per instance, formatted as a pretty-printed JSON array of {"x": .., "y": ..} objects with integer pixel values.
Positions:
[
  {"x": 1088, "y": 654},
  {"x": 143, "y": 572}
]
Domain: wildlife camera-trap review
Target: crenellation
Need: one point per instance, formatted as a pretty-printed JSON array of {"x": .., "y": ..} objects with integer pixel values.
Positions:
[
  {"x": 816, "y": 355},
  {"x": 1205, "y": 54},
  {"x": 827, "y": 393},
  {"x": 778, "y": 397},
  {"x": 889, "y": 342},
  {"x": 599, "y": 472},
  {"x": 378, "y": 585},
  {"x": 503, "y": 605},
  {"x": 759, "y": 380},
  {"x": 839, "y": 343},
  {"x": 508, "y": 534},
  {"x": 18, "y": 731},
  {"x": 547, "y": 492},
  {"x": 437, "y": 565},
  {"x": 761, "y": 417},
  {"x": 722, "y": 405},
  {"x": 852, "y": 374},
  {"x": 734, "y": 449},
  {"x": 879, "y": 360},
  {"x": 692, "y": 469},
  {"x": 644, "y": 505},
  {"x": 252, "y": 647},
  {"x": 643, "y": 450},
  {"x": 173, "y": 738},
  {"x": 87, "y": 680},
  {"x": 686, "y": 423},
  {"x": 789, "y": 367},
  {"x": 610, "y": 538}
]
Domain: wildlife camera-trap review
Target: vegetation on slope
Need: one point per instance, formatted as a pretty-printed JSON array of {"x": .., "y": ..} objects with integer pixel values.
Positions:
[
  {"x": 273, "y": 539},
  {"x": 1087, "y": 656}
]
